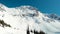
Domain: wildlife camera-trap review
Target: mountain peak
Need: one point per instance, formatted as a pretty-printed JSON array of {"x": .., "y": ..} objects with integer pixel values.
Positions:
[
  {"x": 27, "y": 7},
  {"x": 3, "y": 7},
  {"x": 23, "y": 18},
  {"x": 27, "y": 10}
]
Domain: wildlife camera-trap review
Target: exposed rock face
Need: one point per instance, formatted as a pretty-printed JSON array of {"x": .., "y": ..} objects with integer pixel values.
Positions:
[
  {"x": 54, "y": 16},
  {"x": 4, "y": 24}
]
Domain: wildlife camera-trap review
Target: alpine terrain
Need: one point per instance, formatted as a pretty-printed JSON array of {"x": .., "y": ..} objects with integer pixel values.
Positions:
[{"x": 27, "y": 20}]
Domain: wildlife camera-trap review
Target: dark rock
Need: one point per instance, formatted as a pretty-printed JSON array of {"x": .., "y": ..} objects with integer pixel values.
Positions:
[{"x": 4, "y": 24}]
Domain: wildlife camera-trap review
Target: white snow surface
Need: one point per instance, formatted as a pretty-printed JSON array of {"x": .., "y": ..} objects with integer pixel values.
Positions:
[{"x": 21, "y": 17}]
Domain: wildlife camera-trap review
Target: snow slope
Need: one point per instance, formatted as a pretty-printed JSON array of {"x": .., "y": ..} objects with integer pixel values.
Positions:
[{"x": 24, "y": 17}]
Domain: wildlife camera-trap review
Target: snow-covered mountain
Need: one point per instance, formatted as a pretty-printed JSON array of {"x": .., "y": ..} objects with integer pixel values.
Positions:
[
  {"x": 26, "y": 20},
  {"x": 54, "y": 16}
]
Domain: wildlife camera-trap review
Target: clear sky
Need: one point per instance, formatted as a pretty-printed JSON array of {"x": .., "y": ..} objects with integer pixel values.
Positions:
[{"x": 45, "y": 6}]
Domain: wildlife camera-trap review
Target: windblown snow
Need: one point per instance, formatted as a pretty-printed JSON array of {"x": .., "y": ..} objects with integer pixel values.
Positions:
[{"x": 26, "y": 20}]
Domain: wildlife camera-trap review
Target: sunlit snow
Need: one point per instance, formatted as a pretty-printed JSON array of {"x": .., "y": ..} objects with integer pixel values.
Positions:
[{"x": 24, "y": 17}]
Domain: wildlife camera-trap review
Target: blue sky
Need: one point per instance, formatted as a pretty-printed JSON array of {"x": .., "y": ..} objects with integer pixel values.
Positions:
[{"x": 45, "y": 6}]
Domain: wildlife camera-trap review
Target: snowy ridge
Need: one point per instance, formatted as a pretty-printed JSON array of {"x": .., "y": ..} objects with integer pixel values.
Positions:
[
  {"x": 54, "y": 16},
  {"x": 21, "y": 19}
]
